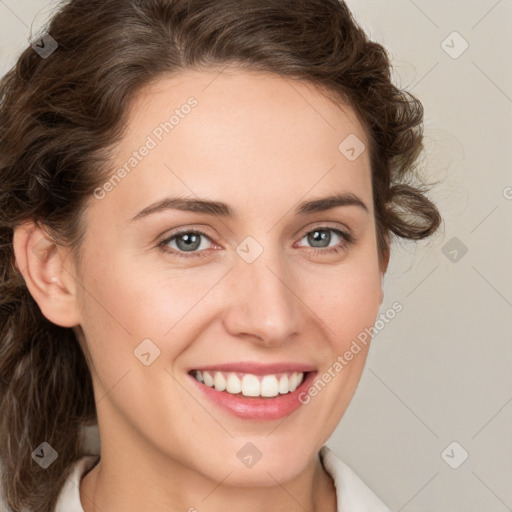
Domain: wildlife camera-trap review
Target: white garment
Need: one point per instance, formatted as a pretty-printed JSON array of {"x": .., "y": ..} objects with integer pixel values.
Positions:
[{"x": 352, "y": 494}]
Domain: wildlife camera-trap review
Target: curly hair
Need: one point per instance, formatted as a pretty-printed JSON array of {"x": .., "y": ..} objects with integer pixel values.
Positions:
[{"x": 60, "y": 115}]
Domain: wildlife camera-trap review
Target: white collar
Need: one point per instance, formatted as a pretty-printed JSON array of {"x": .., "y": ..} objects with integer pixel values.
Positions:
[
  {"x": 352, "y": 494},
  {"x": 69, "y": 497}
]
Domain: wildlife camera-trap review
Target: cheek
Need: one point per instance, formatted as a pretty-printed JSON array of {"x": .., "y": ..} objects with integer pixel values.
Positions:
[
  {"x": 348, "y": 307},
  {"x": 347, "y": 301},
  {"x": 123, "y": 303}
]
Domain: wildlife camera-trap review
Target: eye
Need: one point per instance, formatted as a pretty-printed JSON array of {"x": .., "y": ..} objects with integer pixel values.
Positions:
[
  {"x": 321, "y": 237},
  {"x": 188, "y": 242}
]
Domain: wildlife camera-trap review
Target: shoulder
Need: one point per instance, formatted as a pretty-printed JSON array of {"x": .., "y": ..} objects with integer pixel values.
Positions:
[
  {"x": 353, "y": 495},
  {"x": 69, "y": 497}
]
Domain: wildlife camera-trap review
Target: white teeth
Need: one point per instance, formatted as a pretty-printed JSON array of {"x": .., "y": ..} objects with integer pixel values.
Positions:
[
  {"x": 208, "y": 379},
  {"x": 269, "y": 386},
  {"x": 294, "y": 382},
  {"x": 284, "y": 384},
  {"x": 219, "y": 381},
  {"x": 234, "y": 386},
  {"x": 251, "y": 385}
]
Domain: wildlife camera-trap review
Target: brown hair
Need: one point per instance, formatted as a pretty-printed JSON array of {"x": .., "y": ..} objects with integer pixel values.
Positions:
[{"x": 58, "y": 117}]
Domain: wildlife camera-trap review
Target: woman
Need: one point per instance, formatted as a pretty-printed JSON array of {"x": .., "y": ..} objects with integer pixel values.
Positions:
[{"x": 196, "y": 211}]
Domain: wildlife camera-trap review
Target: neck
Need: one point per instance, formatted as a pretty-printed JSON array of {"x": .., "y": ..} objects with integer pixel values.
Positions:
[{"x": 106, "y": 488}]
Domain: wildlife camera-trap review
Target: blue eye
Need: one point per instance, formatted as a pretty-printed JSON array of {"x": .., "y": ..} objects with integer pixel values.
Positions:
[
  {"x": 323, "y": 234},
  {"x": 188, "y": 242}
]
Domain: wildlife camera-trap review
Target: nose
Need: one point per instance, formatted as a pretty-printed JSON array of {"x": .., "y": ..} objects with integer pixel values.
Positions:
[{"x": 263, "y": 306}]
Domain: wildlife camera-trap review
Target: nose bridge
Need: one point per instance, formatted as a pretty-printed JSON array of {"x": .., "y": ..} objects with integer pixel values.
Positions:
[{"x": 264, "y": 304}]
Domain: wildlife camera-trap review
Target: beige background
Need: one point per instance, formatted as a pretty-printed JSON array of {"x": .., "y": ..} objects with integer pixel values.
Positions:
[{"x": 439, "y": 372}]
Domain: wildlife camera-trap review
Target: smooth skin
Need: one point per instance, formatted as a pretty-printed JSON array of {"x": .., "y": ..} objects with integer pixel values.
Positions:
[{"x": 261, "y": 143}]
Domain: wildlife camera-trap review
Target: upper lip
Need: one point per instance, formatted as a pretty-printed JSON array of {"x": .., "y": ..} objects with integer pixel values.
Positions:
[{"x": 257, "y": 368}]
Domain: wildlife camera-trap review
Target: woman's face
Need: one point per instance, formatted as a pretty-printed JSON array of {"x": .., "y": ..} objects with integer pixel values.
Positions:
[{"x": 269, "y": 290}]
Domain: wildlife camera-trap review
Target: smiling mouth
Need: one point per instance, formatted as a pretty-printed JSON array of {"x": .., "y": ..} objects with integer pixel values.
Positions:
[{"x": 250, "y": 385}]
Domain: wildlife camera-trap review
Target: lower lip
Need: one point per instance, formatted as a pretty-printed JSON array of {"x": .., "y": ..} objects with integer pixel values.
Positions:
[{"x": 257, "y": 408}]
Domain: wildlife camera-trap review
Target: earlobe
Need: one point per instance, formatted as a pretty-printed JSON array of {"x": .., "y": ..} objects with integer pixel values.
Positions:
[{"x": 40, "y": 261}]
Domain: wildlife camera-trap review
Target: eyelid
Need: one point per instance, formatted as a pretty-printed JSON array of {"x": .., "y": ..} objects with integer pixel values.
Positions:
[
  {"x": 174, "y": 234},
  {"x": 187, "y": 229}
]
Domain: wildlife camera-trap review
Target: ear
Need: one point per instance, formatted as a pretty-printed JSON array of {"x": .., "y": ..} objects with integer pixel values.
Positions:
[
  {"x": 41, "y": 262},
  {"x": 384, "y": 264}
]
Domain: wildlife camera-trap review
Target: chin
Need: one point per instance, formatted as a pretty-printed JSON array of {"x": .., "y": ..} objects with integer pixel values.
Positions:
[{"x": 269, "y": 469}]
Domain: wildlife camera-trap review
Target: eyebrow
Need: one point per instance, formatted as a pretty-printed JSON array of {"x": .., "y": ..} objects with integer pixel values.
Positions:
[{"x": 224, "y": 210}]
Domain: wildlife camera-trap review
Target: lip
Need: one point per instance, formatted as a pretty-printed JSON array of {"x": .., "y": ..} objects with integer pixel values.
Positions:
[
  {"x": 257, "y": 408},
  {"x": 257, "y": 368}
]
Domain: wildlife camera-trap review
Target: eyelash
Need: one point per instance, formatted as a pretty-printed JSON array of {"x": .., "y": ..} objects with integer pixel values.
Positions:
[{"x": 349, "y": 240}]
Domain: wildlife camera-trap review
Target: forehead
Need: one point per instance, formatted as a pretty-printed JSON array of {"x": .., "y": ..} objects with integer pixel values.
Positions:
[{"x": 217, "y": 131}]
